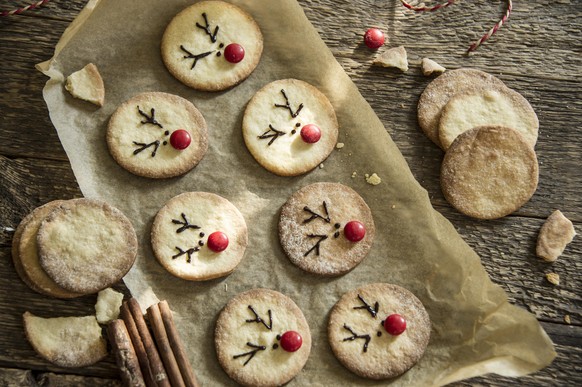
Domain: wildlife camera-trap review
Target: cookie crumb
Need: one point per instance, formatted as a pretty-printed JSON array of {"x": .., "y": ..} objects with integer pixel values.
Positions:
[
  {"x": 394, "y": 57},
  {"x": 87, "y": 84},
  {"x": 567, "y": 319},
  {"x": 553, "y": 278},
  {"x": 354, "y": 174},
  {"x": 393, "y": 206},
  {"x": 339, "y": 145},
  {"x": 556, "y": 232},
  {"x": 226, "y": 287},
  {"x": 373, "y": 179},
  {"x": 430, "y": 67},
  {"x": 321, "y": 166}
]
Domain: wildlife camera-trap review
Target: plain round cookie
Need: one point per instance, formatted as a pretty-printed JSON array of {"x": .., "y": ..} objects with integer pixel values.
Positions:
[
  {"x": 311, "y": 228},
  {"x": 194, "y": 41},
  {"x": 180, "y": 234},
  {"x": 86, "y": 245},
  {"x": 139, "y": 133},
  {"x": 489, "y": 172},
  {"x": 272, "y": 124},
  {"x": 487, "y": 107},
  {"x": 436, "y": 95},
  {"x": 247, "y": 337},
  {"x": 25, "y": 254},
  {"x": 361, "y": 312}
]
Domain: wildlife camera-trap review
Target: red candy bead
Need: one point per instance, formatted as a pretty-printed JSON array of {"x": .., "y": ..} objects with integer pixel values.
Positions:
[
  {"x": 180, "y": 139},
  {"x": 234, "y": 53},
  {"x": 395, "y": 324},
  {"x": 310, "y": 133},
  {"x": 217, "y": 241},
  {"x": 354, "y": 231},
  {"x": 374, "y": 38},
  {"x": 291, "y": 341}
]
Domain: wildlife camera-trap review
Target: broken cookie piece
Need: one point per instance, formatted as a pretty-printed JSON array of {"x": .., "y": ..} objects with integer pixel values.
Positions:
[
  {"x": 107, "y": 307},
  {"x": 394, "y": 57},
  {"x": 66, "y": 341},
  {"x": 554, "y": 235},
  {"x": 87, "y": 84},
  {"x": 430, "y": 67}
]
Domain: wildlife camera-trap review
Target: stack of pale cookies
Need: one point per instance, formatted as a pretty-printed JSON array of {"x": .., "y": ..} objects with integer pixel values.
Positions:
[{"x": 489, "y": 132}]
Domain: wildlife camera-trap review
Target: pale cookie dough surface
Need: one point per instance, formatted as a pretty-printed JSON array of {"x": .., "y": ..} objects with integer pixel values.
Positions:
[
  {"x": 180, "y": 233},
  {"x": 386, "y": 356},
  {"x": 86, "y": 245},
  {"x": 87, "y": 84},
  {"x": 490, "y": 106},
  {"x": 489, "y": 172},
  {"x": 556, "y": 232},
  {"x": 211, "y": 72},
  {"x": 436, "y": 95},
  {"x": 237, "y": 327},
  {"x": 139, "y": 139},
  {"x": 335, "y": 254},
  {"x": 66, "y": 341},
  {"x": 25, "y": 254},
  {"x": 285, "y": 153}
]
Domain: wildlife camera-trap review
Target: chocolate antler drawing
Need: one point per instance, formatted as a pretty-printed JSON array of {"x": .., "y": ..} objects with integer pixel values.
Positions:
[
  {"x": 287, "y": 105},
  {"x": 188, "y": 252},
  {"x": 185, "y": 224},
  {"x": 272, "y": 133},
  {"x": 149, "y": 120},
  {"x": 251, "y": 353},
  {"x": 355, "y": 336},
  {"x": 373, "y": 312},
  {"x": 315, "y": 215},
  {"x": 196, "y": 57},
  {"x": 321, "y": 237},
  {"x": 258, "y": 319},
  {"x": 206, "y": 28}
]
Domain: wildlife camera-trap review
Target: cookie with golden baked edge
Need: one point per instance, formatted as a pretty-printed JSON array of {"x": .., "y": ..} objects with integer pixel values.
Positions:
[
  {"x": 495, "y": 105},
  {"x": 262, "y": 338},
  {"x": 195, "y": 45},
  {"x": 379, "y": 331},
  {"x": 25, "y": 254},
  {"x": 86, "y": 245},
  {"x": 157, "y": 135},
  {"x": 438, "y": 92},
  {"x": 279, "y": 122},
  {"x": 326, "y": 228},
  {"x": 489, "y": 172},
  {"x": 199, "y": 236}
]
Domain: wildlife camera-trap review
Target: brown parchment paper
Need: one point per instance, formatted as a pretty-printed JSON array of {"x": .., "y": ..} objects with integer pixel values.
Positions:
[{"x": 474, "y": 329}]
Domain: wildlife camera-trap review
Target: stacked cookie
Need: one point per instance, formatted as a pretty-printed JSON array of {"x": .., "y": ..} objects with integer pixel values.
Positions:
[
  {"x": 488, "y": 132},
  {"x": 70, "y": 248}
]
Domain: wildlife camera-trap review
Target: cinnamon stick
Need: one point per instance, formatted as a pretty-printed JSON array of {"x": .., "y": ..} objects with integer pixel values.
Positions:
[
  {"x": 157, "y": 367},
  {"x": 125, "y": 355},
  {"x": 177, "y": 346},
  {"x": 166, "y": 353},
  {"x": 142, "y": 356}
]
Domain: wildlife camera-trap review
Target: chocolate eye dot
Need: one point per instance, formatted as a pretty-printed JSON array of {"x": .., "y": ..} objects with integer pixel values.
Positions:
[
  {"x": 337, "y": 225},
  {"x": 218, "y": 53},
  {"x": 293, "y": 131},
  {"x": 379, "y": 334},
  {"x": 165, "y": 143},
  {"x": 278, "y": 337},
  {"x": 298, "y": 124},
  {"x": 201, "y": 234},
  {"x": 221, "y": 45},
  {"x": 167, "y": 132},
  {"x": 275, "y": 346}
]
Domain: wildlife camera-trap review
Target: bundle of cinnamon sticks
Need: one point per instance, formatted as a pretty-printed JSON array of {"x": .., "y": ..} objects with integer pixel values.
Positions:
[{"x": 143, "y": 360}]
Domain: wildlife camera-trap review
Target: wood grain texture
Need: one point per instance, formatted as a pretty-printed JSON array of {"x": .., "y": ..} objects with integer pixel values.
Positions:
[{"x": 537, "y": 53}]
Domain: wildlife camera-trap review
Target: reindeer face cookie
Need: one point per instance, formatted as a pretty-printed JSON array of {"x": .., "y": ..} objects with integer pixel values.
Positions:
[
  {"x": 212, "y": 45},
  {"x": 326, "y": 228},
  {"x": 290, "y": 127},
  {"x": 199, "y": 236},
  {"x": 157, "y": 135},
  {"x": 262, "y": 338},
  {"x": 379, "y": 331}
]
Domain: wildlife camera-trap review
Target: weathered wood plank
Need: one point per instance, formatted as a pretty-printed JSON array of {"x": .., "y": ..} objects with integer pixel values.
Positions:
[{"x": 55, "y": 9}]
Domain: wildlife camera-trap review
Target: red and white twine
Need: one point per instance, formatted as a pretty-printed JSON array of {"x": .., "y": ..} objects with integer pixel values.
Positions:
[
  {"x": 483, "y": 38},
  {"x": 23, "y": 9}
]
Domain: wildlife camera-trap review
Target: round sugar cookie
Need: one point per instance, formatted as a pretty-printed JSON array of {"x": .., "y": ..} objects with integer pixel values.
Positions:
[
  {"x": 273, "y": 123},
  {"x": 195, "y": 45},
  {"x": 157, "y": 135},
  {"x": 487, "y": 106},
  {"x": 436, "y": 95},
  {"x": 25, "y": 254},
  {"x": 360, "y": 339},
  {"x": 86, "y": 245},
  {"x": 262, "y": 338},
  {"x": 182, "y": 236},
  {"x": 489, "y": 172},
  {"x": 315, "y": 224}
]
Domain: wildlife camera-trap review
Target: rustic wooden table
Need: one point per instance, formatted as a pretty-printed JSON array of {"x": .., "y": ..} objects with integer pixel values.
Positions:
[{"x": 538, "y": 53}]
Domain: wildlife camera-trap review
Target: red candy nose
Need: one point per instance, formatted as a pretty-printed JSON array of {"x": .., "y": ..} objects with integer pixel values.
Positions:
[
  {"x": 291, "y": 341},
  {"x": 354, "y": 231},
  {"x": 374, "y": 38},
  {"x": 234, "y": 53},
  {"x": 180, "y": 139},
  {"x": 310, "y": 133},
  {"x": 395, "y": 324},
  {"x": 217, "y": 241}
]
